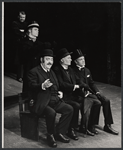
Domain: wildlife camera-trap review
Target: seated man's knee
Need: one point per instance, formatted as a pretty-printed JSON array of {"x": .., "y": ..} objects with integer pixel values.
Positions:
[
  {"x": 77, "y": 106},
  {"x": 51, "y": 114},
  {"x": 107, "y": 101},
  {"x": 97, "y": 102},
  {"x": 70, "y": 108}
]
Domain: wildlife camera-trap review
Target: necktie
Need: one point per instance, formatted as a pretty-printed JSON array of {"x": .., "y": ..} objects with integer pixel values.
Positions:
[{"x": 48, "y": 73}]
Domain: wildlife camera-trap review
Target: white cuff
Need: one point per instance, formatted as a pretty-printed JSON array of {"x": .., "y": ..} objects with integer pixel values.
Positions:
[
  {"x": 42, "y": 86},
  {"x": 97, "y": 92}
]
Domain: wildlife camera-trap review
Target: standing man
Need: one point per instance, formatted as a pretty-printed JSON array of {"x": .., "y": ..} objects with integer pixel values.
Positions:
[
  {"x": 43, "y": 89},
  {"x": 84, "y": 75},
  {"x": 19, "y": 27},
  {"x": 30, "y": 51}
]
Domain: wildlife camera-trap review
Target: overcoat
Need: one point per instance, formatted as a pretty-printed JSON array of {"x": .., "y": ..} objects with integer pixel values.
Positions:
[
  {"x": 36, "y": 77},
  {"x": 66, "y": 84}
]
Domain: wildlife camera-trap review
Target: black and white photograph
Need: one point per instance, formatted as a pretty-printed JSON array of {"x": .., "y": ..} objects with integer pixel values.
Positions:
[{"x": 61, "y": 74}]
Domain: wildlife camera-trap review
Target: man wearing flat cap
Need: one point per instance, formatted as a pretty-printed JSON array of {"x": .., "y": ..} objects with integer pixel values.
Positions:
[
  {"x": 30, "y": 49},
  {"x": 92, "y": 92},
  {"x": 44, "y": 90}
]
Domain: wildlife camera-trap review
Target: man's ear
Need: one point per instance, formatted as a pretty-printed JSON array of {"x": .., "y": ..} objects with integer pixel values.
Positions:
[
  {"x": 75, "y": 61},
  {"x": 29, "y": 30},
  {"x": 41, "y": 59},
  {"x": 62, "y": 60}
]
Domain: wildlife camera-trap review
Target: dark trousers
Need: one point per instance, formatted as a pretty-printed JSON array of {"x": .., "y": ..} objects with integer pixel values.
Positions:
[
  {"x": 66, "y": 112},
  {"x": 85, "y": 109},
  {"x": 75, "y": 118},
  {"x": 95, "y": 111},
  {"x": 108, "y": 119}
]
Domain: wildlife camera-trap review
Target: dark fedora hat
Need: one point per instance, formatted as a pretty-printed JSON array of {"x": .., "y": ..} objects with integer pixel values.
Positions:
[
  {"x": 77, "y": 53},
  {"x": 63, "y": 53},
  {"x": 47, "y": 52},
  {"x": 32, "y": 24}
]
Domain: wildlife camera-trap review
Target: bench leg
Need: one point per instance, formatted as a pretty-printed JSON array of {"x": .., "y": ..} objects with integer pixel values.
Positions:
[{"x": 29, "y": 126}]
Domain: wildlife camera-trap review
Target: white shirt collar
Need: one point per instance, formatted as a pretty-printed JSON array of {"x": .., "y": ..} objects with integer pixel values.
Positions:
[
  {"x": 79, "y": 67},
  {"x": 46, "y": 70},
  {"x": 65, "y": 67}
]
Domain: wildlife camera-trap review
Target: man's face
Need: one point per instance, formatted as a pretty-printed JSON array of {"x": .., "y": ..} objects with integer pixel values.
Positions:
[
  {"x": 34, "y": 32},
  {"x": 22, "y": 17},
  {"x": 80, "y": 61},
  {"x": 47, "y": 62},
  {"x": 66, "y": 60}
]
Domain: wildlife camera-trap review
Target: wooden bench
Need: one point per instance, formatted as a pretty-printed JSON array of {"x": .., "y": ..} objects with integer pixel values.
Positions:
[{"x": 28, "y": 120}]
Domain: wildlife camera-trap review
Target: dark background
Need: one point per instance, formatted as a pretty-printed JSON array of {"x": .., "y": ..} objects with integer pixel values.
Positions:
[{"x": 93, "y": 27}]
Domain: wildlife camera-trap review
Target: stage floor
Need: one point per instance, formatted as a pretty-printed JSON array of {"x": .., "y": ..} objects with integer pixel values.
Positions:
[{"x": 12, "y": 134}]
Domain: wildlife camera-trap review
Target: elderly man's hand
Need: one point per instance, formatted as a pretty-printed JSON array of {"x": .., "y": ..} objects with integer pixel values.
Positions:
[{"x": 60, "y": 94}]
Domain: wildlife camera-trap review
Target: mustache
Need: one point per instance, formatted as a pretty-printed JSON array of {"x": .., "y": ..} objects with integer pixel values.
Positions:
[{"x": 49, "y": 63}]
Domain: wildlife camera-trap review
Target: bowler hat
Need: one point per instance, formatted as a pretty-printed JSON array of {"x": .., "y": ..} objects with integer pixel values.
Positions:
[
  {"x": 63, "y": 53},
  {"x": 32, "y": 24},
  {"x": 47, "y": 52},
  {"x": 77, "y": 53}
]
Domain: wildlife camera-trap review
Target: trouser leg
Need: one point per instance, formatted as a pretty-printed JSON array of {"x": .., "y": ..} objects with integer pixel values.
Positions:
[
  {"x": 50, "y": 115},
  {"x": 108, "y": 119},
  {"x": 75, "y": 118},
  {"x": 86, "y": 106},
  {"x": 95, "y": 111},
  {"x": 66, "y": 112},
  {"x": 85, "y": 120}
]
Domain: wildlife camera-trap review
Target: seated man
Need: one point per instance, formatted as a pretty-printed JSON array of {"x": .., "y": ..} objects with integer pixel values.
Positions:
[
  {"x": 84, "y": 75},
  {"x": 68, "y": 85},
  {"x": 43, "y": 89}
]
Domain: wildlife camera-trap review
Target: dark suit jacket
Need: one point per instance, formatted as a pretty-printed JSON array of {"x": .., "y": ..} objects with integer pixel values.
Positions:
[
  {"x": 65, "y": 85},
  {"x": 36, "y": 77},
  {"x": 86, "y": 78}
]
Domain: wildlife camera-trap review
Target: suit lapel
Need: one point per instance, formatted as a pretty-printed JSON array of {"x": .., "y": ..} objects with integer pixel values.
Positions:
[
  {"x": 42, "y": 72},
  {"x": 85, "y": 73},
  {"x": 71, "y": 76},
  {"x": 65, "y": 74},
  {"x": 82, "y": 76},
  {"x": 53, "y": 75}
]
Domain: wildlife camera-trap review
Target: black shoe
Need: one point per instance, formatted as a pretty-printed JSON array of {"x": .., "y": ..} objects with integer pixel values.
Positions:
[
  {"x": 51, "y": 141},
  {"x": 77, "y": 129},
  {"x": 86, "y": 132},
  {"x": 62, "y": 138},
  {"x": 90, "y": 133},
  {"x": 72, "y": 135},
  {"x": 107, "y": 128},
  {"x": 20, "y": 80},
  {"x": 93, "y": 130}
]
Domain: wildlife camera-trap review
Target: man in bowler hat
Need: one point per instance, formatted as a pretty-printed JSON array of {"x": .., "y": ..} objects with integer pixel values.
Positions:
[
  {"x": 84, "y": 75},
  {"x": 43, "y": 89},
  {"x": 68, "y": 85}
]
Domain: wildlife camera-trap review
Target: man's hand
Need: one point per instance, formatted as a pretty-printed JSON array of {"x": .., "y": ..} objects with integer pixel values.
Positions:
[
  {"x": 46, "y": 84},
  {"x": 98, "y": 95},
  {"x": 60, "y": 94},
  {"x": 76, "y": 87}
]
